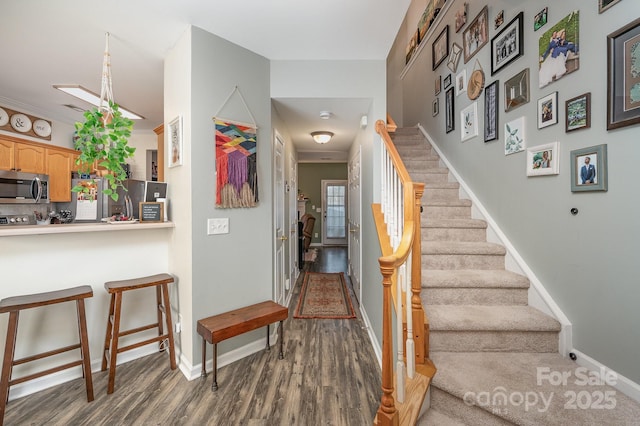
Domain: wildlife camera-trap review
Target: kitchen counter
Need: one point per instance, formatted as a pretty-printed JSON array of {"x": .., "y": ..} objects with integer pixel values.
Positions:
[{"x": 9, "y": 231}]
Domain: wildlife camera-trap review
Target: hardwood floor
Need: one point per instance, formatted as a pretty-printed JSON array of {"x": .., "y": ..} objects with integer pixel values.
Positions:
[{"x": 329, "y": 376}]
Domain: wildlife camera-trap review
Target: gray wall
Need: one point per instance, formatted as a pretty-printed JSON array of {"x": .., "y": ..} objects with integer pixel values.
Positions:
[{"x": 586, "y": 262}]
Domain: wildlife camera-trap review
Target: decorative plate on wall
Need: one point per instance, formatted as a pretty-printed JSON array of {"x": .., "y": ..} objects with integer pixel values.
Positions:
[
  {"x": 4, "y": 117},
  {"x": 42, "y": 128},
  {"x": 21, "y": 123}
]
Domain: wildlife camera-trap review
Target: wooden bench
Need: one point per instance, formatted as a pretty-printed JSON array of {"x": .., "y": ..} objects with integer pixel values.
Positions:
[{"x": 233, "y": 323}]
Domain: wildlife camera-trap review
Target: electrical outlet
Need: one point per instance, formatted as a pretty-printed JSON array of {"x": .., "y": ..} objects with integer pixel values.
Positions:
[
  {"x": 218, "y": 226},
  {"x": 316, "y": 235}
]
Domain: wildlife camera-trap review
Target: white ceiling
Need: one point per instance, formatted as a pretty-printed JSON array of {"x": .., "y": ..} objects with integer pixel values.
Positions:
[{"x": 62, "y": 42}]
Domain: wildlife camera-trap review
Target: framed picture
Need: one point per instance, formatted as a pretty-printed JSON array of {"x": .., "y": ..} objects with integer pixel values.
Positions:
[
  {"x": 558, "y": 50},
  {"x": 461, "y": 82},
  {"x": 476, "y": 35},
  {"x": 543, "y": 160},
  {"x": 540, "y": 19},
  {"x": 514, "y": 136},
  {"x": 440, "y": 47},
  {"x": 623, "y": 76},
  {"x": 491, "y": 111},
  {"x": 516, "y": 90},
  {"x": 438, "y": 86},
  {"x": 578, "y": 112},
  {"x": 469, "y": 122},
  {"x": 461, "y": 16},
  {"x": 606, "y": 4},
  {"x": 548, "y": 110},
  {"x": 447, "y": 81},
  {"x": 436, "y": 107},
  {"x": 589, "y": 169},
  {"x": 175, "y": 142},
  {"x": 448, "y": 109},
  {"x": 454, "y": 57},
  {"x": 499, "y": 20},
  {"x": 508, "y": 44},
  {"x": 411, "y": 46}
]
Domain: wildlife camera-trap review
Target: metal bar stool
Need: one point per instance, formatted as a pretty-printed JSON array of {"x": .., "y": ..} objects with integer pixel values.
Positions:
[
  {"x": 116, "y": 289},
  {"x": 14, "y": 305}
]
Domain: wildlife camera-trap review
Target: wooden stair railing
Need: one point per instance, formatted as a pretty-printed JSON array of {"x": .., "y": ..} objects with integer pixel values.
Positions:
[{"x": 397, "y": 220}]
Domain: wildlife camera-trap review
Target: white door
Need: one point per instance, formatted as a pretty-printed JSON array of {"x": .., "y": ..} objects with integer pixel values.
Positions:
[
  {"x": 355, "y": 272},
  {"x": 293, "y": 221},
  {"x": 280, "y": 233},
  {"x": 334, "y": 210}
]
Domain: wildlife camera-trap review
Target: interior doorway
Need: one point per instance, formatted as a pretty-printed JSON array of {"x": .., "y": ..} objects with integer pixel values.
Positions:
[
  {"x": 152, "y": 165},
  {"x": 334, "y": 210}
]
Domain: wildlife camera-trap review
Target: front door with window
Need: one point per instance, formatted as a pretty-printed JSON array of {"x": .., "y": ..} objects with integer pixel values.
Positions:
[{"x": 334, "y": 208}]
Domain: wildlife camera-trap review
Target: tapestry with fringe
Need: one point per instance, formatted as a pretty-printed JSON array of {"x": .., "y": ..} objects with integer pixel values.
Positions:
[{"x": 236, "y": 167}]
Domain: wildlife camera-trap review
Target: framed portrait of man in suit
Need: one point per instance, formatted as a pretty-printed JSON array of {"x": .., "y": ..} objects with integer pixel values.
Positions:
[{"x": 589, "y": 169}]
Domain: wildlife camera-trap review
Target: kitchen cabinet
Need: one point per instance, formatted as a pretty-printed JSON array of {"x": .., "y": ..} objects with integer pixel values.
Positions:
[
  {"x": 21, "y": 157},
  {"x": 60, "y": 164},
  {"x": 159, "y": 131}
]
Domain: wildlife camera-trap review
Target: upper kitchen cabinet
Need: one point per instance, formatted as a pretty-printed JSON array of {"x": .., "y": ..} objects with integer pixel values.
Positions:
[
  {"x": 60, "y": 164},
  {"x": 21, "y": 157}
]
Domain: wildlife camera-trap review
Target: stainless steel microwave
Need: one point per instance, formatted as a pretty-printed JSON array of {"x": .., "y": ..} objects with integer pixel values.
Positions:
[{"x": 23, "y": 188}]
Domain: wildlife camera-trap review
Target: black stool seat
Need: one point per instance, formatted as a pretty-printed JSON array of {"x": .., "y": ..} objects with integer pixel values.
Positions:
[
  {"x": 13, "y": 305},
  {"x": 113, "y": 334}
]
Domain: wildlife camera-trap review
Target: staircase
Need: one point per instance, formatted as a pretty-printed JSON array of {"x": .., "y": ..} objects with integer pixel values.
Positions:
[{"x": 489, "y": 346}]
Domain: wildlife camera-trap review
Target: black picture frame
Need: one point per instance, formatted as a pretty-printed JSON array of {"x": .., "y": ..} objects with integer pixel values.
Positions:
[
  {"x": 447, "y": 81},
  {"x": 440, "y": 47},
  {"x": 491, "y": 99},
  {"x": 508, "y": 44},
  {"x": 151, "y": 211},
  {"x": 449, "y": 107},
  {"x": 578, "y": 113},
  {"x": 622, "y": 108}
]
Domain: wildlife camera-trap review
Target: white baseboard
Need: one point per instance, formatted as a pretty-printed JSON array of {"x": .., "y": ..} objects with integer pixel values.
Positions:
[
  {"x": 623, "y": 384},
  {"x": 377, "y": 349},
  {"x": 539, "y": 298}
]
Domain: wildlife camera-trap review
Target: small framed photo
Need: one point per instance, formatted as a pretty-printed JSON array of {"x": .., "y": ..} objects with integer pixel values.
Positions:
[
  {"x": 440, "y": 47},
  {"x": 543, "y": 160},
  {"x": 516, "y": 90},
  {"x": 447, "y": 81},
  {"x": 461, "y": 16},
  {"x": 604, "y": 5},
  {"x": 454, "y": 57},
  {"x": 508, "y": 44},
  {"x": 469, "y": 122},
  {"x": 589, "y": 169},
  {"x": 623, "y": 76},
  {"x": 499, "y": 20},
  {"x": 461, "y": 82},
  {"x": 548, "y": 110},
  {"x": 448, "y": 109},
  {"x": 491, "y": 111},
  {"x": 540, "y": 19},
  {"x": 175, "y": 142},
  {"x": 476, "y": 35},
  {"x": 514, "y": 136},
  {"x": 578, "y": 112},
  {"x": 436, "y": 107},
  {"x": 438, "y": 85}
]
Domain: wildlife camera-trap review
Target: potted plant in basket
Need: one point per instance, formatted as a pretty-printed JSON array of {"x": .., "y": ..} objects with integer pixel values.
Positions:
[{"x": 103, "y": 140}]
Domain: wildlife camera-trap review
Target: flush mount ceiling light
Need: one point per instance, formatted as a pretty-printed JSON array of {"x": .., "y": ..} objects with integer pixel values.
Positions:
[
  {"x": 90, "y": 97},
  {"x": 325, "y": 115},
  {"x": 322, "y": 137}
]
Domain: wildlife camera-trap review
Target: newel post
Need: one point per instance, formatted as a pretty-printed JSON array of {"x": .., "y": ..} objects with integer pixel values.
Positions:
[
  {"x": 387, "y": 413},
  {"x": 421, "y": 340}
]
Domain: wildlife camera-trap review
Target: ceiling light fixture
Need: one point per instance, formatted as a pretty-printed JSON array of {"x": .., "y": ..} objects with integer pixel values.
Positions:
[
  {"x": 322, "y": 137},
  {"x": 325, "y": 115},
  {"x": 90, "y": 97}
]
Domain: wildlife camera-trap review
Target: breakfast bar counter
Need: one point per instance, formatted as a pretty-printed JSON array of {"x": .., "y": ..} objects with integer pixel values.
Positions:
[{"x": 9, "y": 231}]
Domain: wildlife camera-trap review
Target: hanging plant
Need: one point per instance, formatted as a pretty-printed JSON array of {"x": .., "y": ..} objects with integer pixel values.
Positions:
[{"x": 103, "y": 140}]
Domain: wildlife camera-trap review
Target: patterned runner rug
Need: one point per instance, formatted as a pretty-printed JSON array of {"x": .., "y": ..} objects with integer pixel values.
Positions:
[{"x": 324, "y": 295}]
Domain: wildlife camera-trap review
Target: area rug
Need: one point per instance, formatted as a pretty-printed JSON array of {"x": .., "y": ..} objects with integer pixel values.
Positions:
[
  {"x": 311, "y": 255},
  {"x": 324, "y": 295}
]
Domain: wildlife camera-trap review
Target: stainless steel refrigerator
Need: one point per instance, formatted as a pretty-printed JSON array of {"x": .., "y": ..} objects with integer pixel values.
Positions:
[{"x": 95, "y": 205}]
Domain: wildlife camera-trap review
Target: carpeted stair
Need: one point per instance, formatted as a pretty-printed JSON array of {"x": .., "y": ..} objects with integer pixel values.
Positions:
[{"x": 484, "y": 338}]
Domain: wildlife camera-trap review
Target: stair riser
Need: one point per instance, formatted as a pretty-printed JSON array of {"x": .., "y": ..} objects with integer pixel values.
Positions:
[
  {"x": 493, "y": 341},
  {"x": 445, "y": 212},
  {"x": 455, "y": 408},
  {"x": 440, "y": 194},
  {"x": 462, "y": 261},
  {"x": 474, "y": 296},
  {"x": 454, "y": 234},
  {"x": 416, "y": 165},
  {"x": 429, "y": 177}
]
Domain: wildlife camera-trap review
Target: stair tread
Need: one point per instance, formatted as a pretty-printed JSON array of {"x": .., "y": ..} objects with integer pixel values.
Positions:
[
  {"x": 453, "y": 223},
  {"x": 488, "y": 373},
  {"x": 434, "y": 417},
  {"x": 430, "y": 171},
  {"x": 489, "y": 318},
  {"x": 463, "y": 247},
  {"x": 447, "y": 203},
  {"x": 441, "y": 185},
  {"x": 473, "y": 278}
]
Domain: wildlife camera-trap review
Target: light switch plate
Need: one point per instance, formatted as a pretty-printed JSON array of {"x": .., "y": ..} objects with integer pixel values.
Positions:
[{"x": 217, "y": 226}]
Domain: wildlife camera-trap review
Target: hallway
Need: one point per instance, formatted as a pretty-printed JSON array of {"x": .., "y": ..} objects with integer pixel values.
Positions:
[{"x": 329, "y": 376}]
